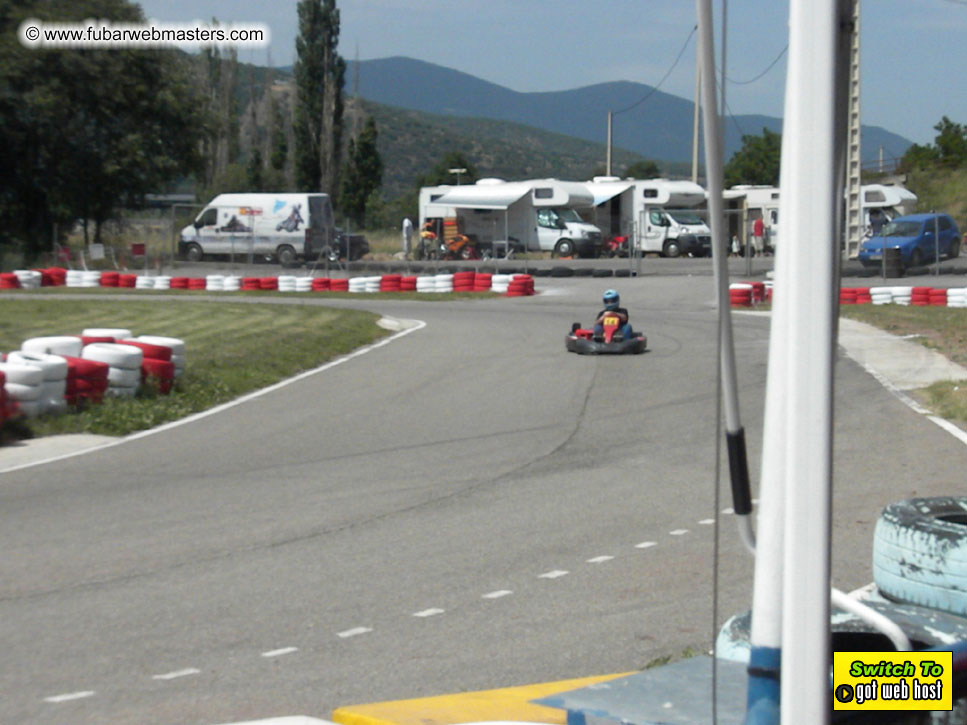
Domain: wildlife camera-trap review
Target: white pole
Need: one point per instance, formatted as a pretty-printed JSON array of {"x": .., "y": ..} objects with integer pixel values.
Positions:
[
  {"x": 608, "y": 160},
  {"x": 808, "y": 192}
]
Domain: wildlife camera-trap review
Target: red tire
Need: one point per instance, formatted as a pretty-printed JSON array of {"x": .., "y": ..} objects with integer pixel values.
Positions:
[{"x": 153, "y": 352}]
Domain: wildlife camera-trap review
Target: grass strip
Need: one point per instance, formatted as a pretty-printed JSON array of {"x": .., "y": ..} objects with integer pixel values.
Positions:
[{"x": 231, "y": 349}]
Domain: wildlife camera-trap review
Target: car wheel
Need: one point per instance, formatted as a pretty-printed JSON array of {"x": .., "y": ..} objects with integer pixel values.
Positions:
[
  {"x": 564, "y": 248},
  {"x": 193, "y": 253},
  {"x": 954, "y": 251},
  {"x": 671, "y": 249},
  {"x": 286, "y": 255},
  {"x": 332, "y": 254},
  {"x": 916, "y": 259}
]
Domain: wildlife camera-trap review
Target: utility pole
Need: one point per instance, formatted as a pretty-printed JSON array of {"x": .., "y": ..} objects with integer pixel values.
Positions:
[
  {"x": 854, "y": 221},
  {"x": 695, "y": 119},
  {"x": 607, "y": 163}
]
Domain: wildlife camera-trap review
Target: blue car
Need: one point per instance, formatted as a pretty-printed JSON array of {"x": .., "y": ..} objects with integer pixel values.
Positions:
[{"x": 914, "y": 236}]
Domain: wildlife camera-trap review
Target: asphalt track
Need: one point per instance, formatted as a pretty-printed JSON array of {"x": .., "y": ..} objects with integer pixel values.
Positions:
[{"x": 467, "y": 507}]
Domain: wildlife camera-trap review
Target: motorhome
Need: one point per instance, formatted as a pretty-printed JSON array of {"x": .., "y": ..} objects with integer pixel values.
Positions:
[
  {"x": 534, "y": 215},
  {"x": 288, "y": 227},
  {"x": 657, "y": 215},
  {"x": 891, "y": 201},
  {"x": 746, "y": 203}
]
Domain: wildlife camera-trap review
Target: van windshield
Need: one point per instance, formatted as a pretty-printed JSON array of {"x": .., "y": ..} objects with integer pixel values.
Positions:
[
  {"x": 901, "y": 229},
  {"x": 568, "y": 215},
  {"x": 686, "y": 217}
]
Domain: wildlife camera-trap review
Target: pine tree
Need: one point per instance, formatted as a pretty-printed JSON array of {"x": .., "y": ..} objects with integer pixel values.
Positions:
[
  {"x": 362, "y": 175},
  {"x": 319, "y": 76}
]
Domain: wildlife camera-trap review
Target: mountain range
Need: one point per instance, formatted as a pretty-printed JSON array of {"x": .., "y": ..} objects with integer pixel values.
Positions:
[{"x": 658, "y": 127}]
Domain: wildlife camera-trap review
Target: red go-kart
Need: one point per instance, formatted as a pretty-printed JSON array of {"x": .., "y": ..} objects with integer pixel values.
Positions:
[{"x": 612, "y": 342}]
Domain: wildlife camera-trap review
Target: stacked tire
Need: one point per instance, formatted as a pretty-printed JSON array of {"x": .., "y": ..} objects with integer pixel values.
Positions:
[
  {"x": 29, "y": 278},
  {"x": 863, "y": 296},
  {"x": 23, "y": 384},
  {"x": 522, "y": 285},
  {"x": 408, "y": 284},
  {"x": 499, "y": 283},
  {"x": 177, "y": 348},
  {"x": 64, "y": 345},
  {"x": 920, "y": 296},
  {"x": 54, "y": 383},
  {"x": 124, "y": 361},
  {"x": 463, "y": 281},
  {"x": 902, "y": 295},
  {"x": 156, "y": 364},
  {"x": 740, "y": 294},
  {"x": 286, "y": 283},
  {"x": 957, "y": 297},
  {"x": 881, "y": 295},
  {"x": 178, "y": 283},
  {"x": 321, "y": 284},
  {"x": 87, "y": 381},
  {"x": 197, "y": 283},
  {"x": 7, "y": 407},
  {"x": 426, "y": 283},
  {"x": 110, "y": 279},
  {"x": 482, "y": 282},
  {"x": 8, "y": 280},
  {"x": 251, "y": 284},
  {"x": 339, "y": 285},
  {"x": 847, "y": 295},
  {"x": 391, "y": 283},
  {"x": 938, "y": 297}
]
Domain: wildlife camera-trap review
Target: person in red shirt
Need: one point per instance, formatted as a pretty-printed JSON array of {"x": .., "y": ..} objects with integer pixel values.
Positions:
[{"x": 758, "y": 235}]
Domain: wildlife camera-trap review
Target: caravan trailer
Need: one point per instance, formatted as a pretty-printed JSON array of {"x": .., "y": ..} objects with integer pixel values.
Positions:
[
  {"x": 534, "y": 215},
  {"x": 658, "y": 215}
]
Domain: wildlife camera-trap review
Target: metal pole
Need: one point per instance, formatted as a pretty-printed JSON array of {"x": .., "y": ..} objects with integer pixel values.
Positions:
[
  {"x": 695, "y": 117},
  {"x": 607, "y": 164},
  {"x": 936, "y": 246}
]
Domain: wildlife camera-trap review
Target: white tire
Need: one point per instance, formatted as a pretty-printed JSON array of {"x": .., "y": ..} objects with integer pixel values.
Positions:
[
  {"x": 23, "y": 393},
  {"x": 22, "y": 374},
  {"x": 54, "y": 366},
  {"x": 116, "y": 391},
  {"x": 53, "y": 389},
  {"x": 177, "y": 346},
  {"x": 144, "y": 282},
  {"x": 57, "y": 345},
  {"x": 119, "y": 356},
  {"x": 31, "y": 408},
  {"x": 123, "y": 378},
  {"x": 118, "y": 333}
]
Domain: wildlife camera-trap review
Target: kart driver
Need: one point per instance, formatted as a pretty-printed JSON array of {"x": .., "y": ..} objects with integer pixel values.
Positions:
[{"x": 611, "y": 306}]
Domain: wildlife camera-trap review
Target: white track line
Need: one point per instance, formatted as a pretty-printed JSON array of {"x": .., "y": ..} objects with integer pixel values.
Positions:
[
  {"x": 646, "y": 544},
  {"x": 678, "y": 532},
  {"x": 417, "y": 325},
  {"x": 497, "y": 594},
  {"x": 432, "y": 612},
  {"x": 280, "y": 652},
  {"x": 600, "y": 559},
  {"x": 67, "y": 697},
  {"x": 354, "y": 632},
  {"x": 188, "y": 671},
  {"x": 555, "y": 574}
]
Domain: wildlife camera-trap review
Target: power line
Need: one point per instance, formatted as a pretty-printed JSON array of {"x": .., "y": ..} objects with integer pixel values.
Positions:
[
  {"x": 770, "y": 66},
  {"x": 664, "y": 78}
]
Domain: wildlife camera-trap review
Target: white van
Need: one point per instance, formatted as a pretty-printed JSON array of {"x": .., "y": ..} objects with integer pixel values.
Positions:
[
  {"x": 287, "y": 226},
  {"x": 659, "y": 215},
  {"x": 535, "y": 215}
]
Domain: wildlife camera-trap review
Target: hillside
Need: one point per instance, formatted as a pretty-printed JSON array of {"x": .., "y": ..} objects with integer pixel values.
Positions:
[
  {"x": 660, "y": 128},
  {"x": 411, "y": 142}
]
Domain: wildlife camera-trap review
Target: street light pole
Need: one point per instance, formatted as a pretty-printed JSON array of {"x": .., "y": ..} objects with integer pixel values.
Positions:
[{"x": 457, "y": 172}]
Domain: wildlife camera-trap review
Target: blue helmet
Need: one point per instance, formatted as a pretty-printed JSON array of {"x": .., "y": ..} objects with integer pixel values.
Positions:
[{"x": 611, "y": 299}]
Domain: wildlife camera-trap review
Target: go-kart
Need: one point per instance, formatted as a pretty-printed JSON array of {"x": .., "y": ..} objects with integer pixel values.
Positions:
[{"x": 612, "y": 342}]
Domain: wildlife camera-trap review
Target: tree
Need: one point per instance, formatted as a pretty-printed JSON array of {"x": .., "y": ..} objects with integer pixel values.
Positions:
[
  {"x": 320, "y": 73},
  {"x": 85, "y": 131},
  {"x": 362, "y": 175},
  {"x": 757, "y": 162},
  {"x": 644, "y": 169},
  {"x": 949, "y": 148}
]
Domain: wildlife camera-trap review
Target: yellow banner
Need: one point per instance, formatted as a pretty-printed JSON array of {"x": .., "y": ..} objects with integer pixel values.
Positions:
[{"x": 892, "y": 681}]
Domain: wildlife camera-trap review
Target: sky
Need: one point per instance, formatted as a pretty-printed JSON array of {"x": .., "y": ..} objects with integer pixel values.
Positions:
[{"x": 913, "y": 52}]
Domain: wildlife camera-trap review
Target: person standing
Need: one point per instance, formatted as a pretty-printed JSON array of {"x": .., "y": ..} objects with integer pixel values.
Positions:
[
  {"x": 407, "y": 236},
  {"x": 758, "y": 235}
]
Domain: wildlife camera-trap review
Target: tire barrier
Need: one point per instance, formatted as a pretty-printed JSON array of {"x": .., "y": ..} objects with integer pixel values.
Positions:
[
  {"x": 54, "y": 383},
  {"x": 881, "y": 295},
  {"x": 86, "y": 381},
  {"x": 920, "y": 553},
  {"x": 957, "y": 297},
  {"x": 55, "y": 345},
  {"x": 24, "y": 385},
  {"x": 522, "y": 285},
  {"x": 8, "y": 408},
  {"x": 463, "y": 280},
  {"x": 124, "y": 374},
  {"x": 104, "y": 332}
]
